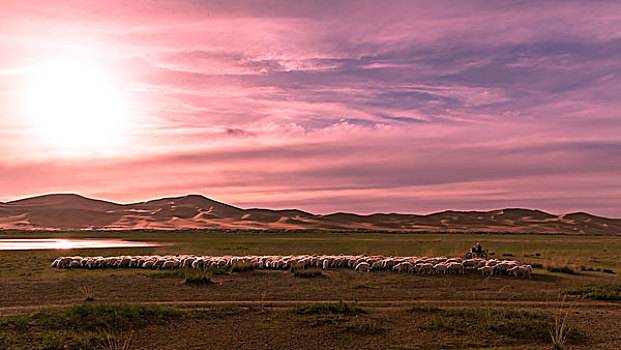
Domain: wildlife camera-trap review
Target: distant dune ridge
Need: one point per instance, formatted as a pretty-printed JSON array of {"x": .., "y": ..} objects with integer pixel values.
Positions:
[{"x": 71, "y": 211}]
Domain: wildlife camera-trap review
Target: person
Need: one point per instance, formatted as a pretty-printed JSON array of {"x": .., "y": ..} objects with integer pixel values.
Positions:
[{"x": 479, "y": 248}]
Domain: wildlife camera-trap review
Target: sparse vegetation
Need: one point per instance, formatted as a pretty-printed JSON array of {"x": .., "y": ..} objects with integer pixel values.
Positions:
[
  {"x": 509, "y": 324},
  {"x": 200, "y": 276},
  {"x": 598, "y": 292},
  {"x": 84, "y": 326}
]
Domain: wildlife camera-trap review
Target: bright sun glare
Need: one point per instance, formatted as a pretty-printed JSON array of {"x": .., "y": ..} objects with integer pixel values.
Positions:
[{"x": 74, "y": 106}]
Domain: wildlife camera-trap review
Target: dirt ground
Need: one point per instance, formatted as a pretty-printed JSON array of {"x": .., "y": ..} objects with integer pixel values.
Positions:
[{"x": 257, "y": 308}]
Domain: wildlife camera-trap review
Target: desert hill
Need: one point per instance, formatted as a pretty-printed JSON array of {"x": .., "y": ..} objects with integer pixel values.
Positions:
[{"x": 71, "y": 211}]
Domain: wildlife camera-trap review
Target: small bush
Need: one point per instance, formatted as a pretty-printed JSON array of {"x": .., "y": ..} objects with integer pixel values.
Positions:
[
  {"x": 598, "y": 292},
  {"x": 562, "y": 269},
  {"x": 341, "y": 307},
  {"x": 199, "y": 276},
  {"x": 536, "y": 265},
  {"x": 307, "y": 273},
  {"x": 609, "y": 271}
]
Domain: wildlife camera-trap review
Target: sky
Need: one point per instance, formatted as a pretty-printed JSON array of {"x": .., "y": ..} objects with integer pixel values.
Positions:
[{"x": 325, "y": 106}]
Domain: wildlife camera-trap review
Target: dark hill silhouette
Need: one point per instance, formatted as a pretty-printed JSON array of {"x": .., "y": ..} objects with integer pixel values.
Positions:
[{"x": 71, "y": 211}]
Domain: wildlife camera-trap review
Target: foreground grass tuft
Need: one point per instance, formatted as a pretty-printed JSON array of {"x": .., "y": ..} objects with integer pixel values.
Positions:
[
  {"x": 87, "y": 291},
  {"x": 122, "y": 341},
  {"x": 598, "y": 292},
  {"x": 341, "y": 308}
]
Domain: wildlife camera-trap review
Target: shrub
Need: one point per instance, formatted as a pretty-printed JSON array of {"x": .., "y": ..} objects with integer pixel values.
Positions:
[
  {"x": 200, "y": 276},
  {"x": 608, "y": 271}
]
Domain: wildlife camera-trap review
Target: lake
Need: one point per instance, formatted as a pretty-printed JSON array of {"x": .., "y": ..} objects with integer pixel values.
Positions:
[{"x": 70, "y": 243}]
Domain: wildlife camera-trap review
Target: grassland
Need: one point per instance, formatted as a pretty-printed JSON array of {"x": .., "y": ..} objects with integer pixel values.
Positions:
[
  {"x": 603, "y": 252},
  {"x": 44, "y": 308}
]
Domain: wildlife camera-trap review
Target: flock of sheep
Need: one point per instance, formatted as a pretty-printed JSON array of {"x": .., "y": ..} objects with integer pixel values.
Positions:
[{"x": 363, "y": 263}]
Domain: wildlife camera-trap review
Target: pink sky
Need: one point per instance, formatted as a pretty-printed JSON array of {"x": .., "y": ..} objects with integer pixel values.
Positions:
[{"x": 397, "y": 106}]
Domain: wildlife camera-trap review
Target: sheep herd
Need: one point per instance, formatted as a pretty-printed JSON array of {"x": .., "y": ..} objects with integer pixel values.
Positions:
[{"x": 362, "y": 263}]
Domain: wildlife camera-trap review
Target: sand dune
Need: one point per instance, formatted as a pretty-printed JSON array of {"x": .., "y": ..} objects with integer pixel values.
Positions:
[{"x": 70, "y": 211}]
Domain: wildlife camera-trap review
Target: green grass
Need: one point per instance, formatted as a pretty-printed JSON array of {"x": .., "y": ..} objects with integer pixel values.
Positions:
[
  {"x": 598, "y": 292},
  {"x": 342, "y": 308}
]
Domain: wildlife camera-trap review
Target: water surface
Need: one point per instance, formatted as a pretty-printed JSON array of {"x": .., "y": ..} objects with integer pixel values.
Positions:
[{"x": 70, "y": 243}]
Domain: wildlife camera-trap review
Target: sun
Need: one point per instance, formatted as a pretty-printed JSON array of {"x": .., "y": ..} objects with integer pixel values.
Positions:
[{"x": 74, "y": 106}]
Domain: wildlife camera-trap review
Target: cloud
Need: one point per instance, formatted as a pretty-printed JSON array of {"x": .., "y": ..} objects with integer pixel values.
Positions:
[{"x": 399, "y": 106}]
